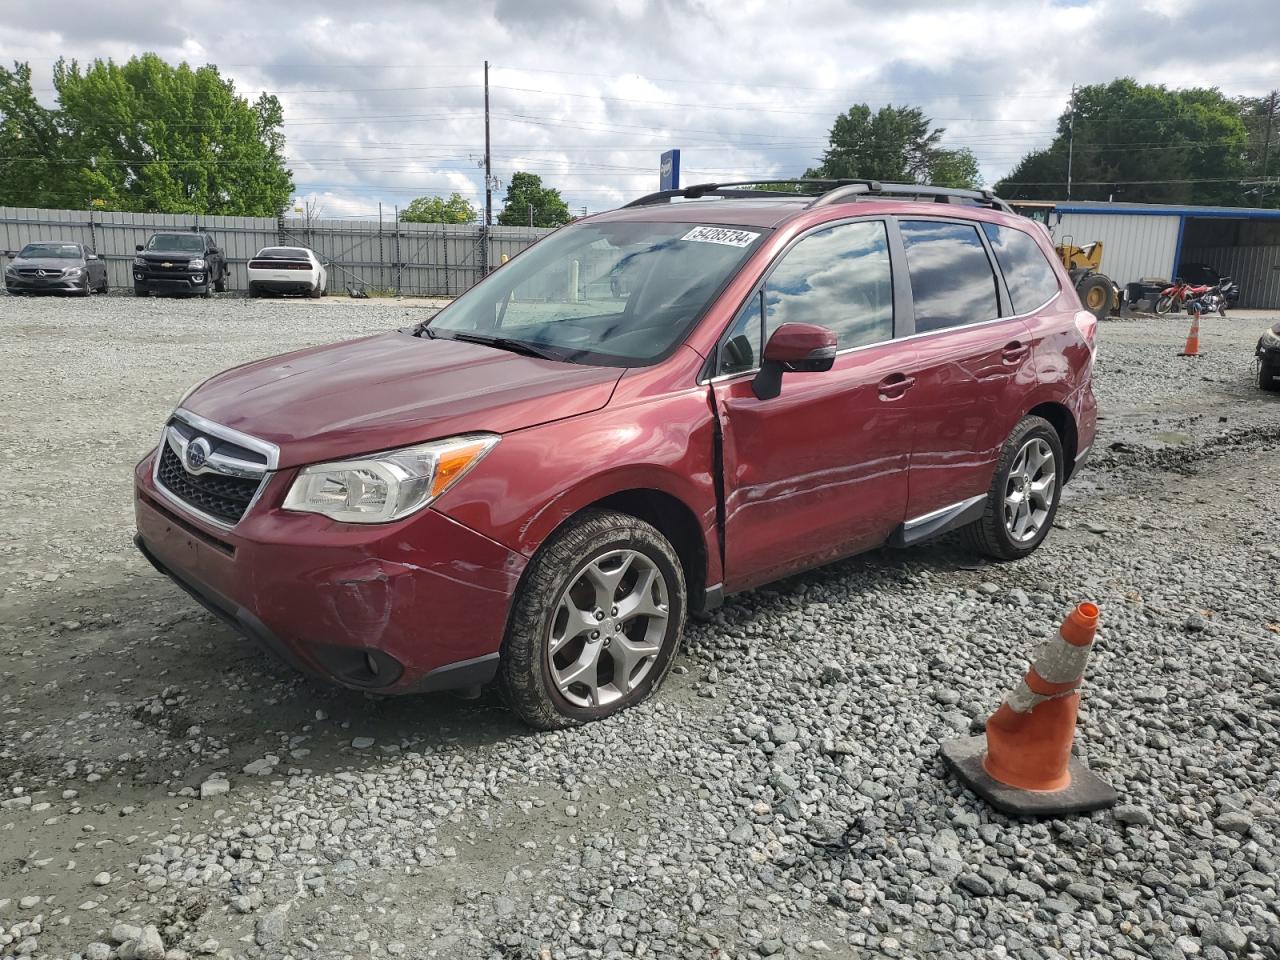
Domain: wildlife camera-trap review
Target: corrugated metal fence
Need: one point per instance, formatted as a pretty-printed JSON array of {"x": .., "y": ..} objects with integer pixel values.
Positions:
[
  {"x": 426, "y": 259},
  {"x": 1255, "y": 268}
]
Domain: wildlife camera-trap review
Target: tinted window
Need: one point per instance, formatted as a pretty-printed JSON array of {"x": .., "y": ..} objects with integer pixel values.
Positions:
[
  {"x": 838, "y": 278},
  {"x": 186, "y": 242},
  {"x": 951, "y": 279},
  {"x": 740, "y": 350},
  {"x": 281, "y": 253},
  {"x": 1027, "y": 274},
  {"x": 55, "y": 251}
]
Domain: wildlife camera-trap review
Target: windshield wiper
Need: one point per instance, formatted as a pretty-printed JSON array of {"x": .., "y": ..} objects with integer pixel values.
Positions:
[{"x": 505, "y": 343}]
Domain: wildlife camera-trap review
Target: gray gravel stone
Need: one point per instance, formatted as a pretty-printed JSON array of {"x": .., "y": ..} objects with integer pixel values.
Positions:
[{"x": 1225, "y": 936}]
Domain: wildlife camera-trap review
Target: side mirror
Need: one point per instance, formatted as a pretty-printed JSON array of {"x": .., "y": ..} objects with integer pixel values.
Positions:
[
  {"x": 793, "y": 348},
  {"x": 138, "y": 247},
  {"x": 91, "y": 256}
]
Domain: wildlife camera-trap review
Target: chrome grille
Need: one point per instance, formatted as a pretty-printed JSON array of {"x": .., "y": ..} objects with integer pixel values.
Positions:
[{"x": 213, "y": 471}]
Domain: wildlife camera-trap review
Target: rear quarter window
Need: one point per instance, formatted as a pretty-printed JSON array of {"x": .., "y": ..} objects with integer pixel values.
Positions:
[{"x": 1031, "y": 280}]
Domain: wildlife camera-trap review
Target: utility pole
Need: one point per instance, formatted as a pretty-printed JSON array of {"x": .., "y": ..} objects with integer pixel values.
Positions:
[
  {"x": 1266, "y": 144},
  {"x": 531, "y": 214},
  {"x": 1071, "y": 139},
  {"x": 488, "y": 160}
]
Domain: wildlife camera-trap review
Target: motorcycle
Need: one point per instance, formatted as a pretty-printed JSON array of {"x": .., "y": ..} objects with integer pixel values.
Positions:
[
  {"x": 1212, "y": 299},
  {"x": 1178, "y": 296}
]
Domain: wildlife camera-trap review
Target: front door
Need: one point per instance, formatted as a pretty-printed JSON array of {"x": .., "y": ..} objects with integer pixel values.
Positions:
[{"x": 819, "y": 471}]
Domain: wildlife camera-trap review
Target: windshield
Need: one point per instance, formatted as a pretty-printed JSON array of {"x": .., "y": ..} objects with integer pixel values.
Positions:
[
  {"x": 55, "y": 251},
  {"x": 619, "y": 294},
  {"x": 281, "y": 253},
  {"x": 184, "y": 242}
]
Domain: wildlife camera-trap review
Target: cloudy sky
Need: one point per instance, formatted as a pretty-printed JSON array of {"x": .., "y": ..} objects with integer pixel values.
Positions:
[{"x": 384, "y": 101}]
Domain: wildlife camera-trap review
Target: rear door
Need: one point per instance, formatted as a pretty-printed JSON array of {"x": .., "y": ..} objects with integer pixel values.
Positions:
[
  {"x": 819, "y": 471},
  {"x": 974, "y": 364}
]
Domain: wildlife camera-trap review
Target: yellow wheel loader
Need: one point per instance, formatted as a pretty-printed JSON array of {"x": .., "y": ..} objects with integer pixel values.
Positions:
[{"x": 1097, "y": 291}]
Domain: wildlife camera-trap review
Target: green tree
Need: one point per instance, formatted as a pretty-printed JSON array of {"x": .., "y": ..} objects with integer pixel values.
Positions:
[
  {"x": 1141, "y": 142},
  {"x": 457, "y": 209},
  {"x": 147, "y": 136},
  {"x": 955, "y": 168},
  {"x": 29, "y": 144},
  {"x": 525, "y": 191},
  {"x": 1261, "y": 116},
  {"x": 894, "y": 144}
]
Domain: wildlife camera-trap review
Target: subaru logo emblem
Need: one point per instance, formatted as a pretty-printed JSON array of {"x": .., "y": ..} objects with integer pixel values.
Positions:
[{"x": 197, "y": 454}]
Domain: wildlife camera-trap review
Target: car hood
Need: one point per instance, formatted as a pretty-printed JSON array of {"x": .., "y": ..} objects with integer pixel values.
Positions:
[
  {"x": 391, "y": 390},
  {"x": 48, "y": 263}
]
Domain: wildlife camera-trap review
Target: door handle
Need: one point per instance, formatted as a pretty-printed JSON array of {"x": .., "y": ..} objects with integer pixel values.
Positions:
[
  {"x": 1015, "y": 352},
  {"x": 895, "y": 385}
]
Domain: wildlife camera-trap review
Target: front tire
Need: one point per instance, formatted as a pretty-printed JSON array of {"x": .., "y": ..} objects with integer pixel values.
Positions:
[
  {"x": 1164, "y": 305},
  {"x": 140, "y": 291},
  {"x": 1267, "y": 378},
  {"x": 1024, "y": 494},
  {"x": 596, "y": 622}
]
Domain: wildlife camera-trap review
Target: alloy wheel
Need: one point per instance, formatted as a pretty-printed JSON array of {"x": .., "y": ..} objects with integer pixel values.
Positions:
[
  {"x": 608, "y": 628},
  {"x": 1029, "y": 490}
]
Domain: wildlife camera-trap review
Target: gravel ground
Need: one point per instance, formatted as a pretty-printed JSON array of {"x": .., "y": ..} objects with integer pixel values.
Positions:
[{"x": 168, "y": 791}]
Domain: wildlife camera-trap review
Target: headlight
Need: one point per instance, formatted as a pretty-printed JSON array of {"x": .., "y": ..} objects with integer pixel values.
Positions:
[
  {"x": 73, "y": 271},
  {"x": 387, "y": 486},
  {"x": 139, "y": 261},
  {"x": 1271, "y": 336},
  {"x": 11, "y": 268},
  {"x": 196, "y": 264}
]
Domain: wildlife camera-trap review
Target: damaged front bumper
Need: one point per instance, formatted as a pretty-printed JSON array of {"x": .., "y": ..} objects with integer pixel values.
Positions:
[{"x": 405, "y": 607}]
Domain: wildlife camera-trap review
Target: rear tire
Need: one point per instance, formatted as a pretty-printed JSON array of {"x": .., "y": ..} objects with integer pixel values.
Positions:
[
  {"x": 568, "y": 588},
  {"x": 1016, "y": 519},
  {"x": 1164, "y": 305},
  {"x": 220, "y": 285},
  {"x": 317, "y": 292},
  {"x": 1267, "y": 378}
]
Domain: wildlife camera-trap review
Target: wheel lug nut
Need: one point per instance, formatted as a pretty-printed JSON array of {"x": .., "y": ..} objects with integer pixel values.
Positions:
[
  {"x": 599, "y": 614},
  {"x": 613, "y": 612},
  {"x": 595, "y": 634}
]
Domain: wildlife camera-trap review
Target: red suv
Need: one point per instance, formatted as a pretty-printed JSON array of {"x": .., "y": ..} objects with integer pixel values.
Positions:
[{"x": 650, "y": 409}]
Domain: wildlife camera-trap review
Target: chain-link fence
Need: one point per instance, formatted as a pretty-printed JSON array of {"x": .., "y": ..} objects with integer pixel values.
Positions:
[{"x": 386, "y": 255}]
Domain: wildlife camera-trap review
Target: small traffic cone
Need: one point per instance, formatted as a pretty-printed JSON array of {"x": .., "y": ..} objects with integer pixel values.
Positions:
[
  {"x": 1024, "y": 764},
  {"x": 1192, "y": 349}
]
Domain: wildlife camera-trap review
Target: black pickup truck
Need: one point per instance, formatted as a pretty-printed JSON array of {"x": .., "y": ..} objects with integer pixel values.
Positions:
[{"x": 179, "y": 262}]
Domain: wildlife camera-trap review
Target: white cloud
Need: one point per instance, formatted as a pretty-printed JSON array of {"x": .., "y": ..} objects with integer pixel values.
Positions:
[{"x": 384, "y": 102}]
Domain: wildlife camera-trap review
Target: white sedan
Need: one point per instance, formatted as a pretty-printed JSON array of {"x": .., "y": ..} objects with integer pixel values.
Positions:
[{"x": 278, "y": 270}]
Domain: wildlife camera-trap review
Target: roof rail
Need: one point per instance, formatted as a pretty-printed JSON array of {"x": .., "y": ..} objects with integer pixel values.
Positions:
[
  {"x": 823, "y": 192},
  {"x": 918, "y": 191},
  {"x": 731, "y": 189}
]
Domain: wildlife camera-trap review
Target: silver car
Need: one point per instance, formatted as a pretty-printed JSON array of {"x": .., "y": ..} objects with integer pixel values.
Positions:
[{"x": 55, "y": 266}]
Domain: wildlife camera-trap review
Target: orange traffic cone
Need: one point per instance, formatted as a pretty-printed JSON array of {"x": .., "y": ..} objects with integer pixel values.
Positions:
[
  {"x": 1192, "y": 349},
  {"x": 1024, "y": 764}
]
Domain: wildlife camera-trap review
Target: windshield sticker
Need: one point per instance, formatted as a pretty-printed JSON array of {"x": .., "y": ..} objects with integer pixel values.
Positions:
[{"x": 729, "y": 237}]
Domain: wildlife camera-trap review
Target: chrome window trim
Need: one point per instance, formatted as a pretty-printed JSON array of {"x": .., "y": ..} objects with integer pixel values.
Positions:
[
  {"x": 914, "y": 336},
  {"x": 178, "y": 444},
  {"x": 268, "y": 450}
]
